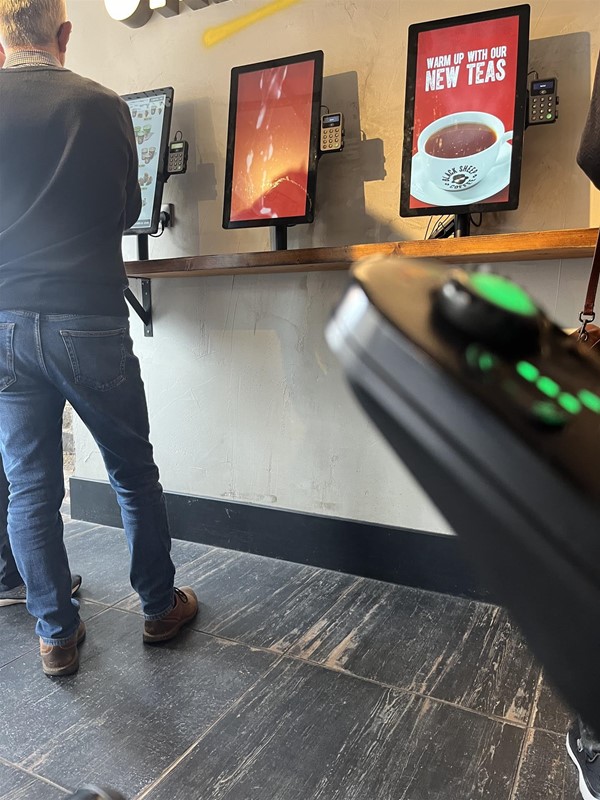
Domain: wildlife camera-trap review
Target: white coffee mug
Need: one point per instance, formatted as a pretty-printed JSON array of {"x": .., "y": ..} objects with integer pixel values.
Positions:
[{"x": 458, "y": 174}]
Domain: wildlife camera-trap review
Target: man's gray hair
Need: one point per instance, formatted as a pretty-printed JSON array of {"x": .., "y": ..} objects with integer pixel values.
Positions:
[{"x": 30, "y": 23}]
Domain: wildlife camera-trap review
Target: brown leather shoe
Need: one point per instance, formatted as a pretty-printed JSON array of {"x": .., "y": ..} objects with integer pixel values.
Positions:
[
  {"x": 184, "y": 611},
  {"x": 62, "y": 659}
]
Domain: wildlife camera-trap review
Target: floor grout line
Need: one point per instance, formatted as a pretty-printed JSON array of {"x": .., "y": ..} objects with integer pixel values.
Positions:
[
  {"x": 31, "y": 774},
  {"x": 172, "y": 767}
]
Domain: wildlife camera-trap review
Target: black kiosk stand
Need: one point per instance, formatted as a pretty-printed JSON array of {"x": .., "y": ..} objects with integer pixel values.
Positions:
[
  {"x": 151, "y": 114},
  {"x": 283, "y": 127}
]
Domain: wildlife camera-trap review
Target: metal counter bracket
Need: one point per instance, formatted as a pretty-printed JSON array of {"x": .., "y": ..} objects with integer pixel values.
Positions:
[{"x": 143, "y": 309}]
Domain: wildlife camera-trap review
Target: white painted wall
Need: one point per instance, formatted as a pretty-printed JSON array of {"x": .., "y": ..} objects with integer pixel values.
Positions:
[{"x": 245, "y": 400}]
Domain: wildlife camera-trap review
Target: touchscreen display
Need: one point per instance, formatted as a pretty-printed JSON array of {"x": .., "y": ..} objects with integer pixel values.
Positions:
[
  {"x": 147, "y": 116},
  {"x": 463, "y": 148},
  {"x": 273, "y": 118}
]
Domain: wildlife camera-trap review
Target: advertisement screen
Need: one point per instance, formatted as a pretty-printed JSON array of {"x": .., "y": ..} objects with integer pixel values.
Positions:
[
  {"x": 466, "y": 112},
  {"x": 272, "y": 143},
  {"x": 147, "y": 115}
]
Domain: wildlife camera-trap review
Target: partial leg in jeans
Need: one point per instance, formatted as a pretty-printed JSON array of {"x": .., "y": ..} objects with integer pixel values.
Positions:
[
  {"x": 91, "y": 361},
  {"x": 9, "y": 574},
  {"x": 31, "y": 411}
]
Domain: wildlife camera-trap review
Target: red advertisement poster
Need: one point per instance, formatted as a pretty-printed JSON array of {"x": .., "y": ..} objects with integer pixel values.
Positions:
[
  {"x": 272, "y": 142},
  {"x": 466, "y": 81}
]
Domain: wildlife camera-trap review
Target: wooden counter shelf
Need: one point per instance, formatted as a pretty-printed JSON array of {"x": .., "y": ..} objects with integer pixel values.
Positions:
[{"x": 535, "y": 246}]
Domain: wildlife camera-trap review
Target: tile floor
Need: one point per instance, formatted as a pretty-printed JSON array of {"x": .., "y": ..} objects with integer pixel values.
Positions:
[{"x": 294, "y": 683}]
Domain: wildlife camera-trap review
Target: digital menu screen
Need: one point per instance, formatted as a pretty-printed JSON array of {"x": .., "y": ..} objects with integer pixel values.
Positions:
[
  {"x": 147, "y": 112},
  {"x": 466, "y": 93},
  {"x": 273, "y": 138}
]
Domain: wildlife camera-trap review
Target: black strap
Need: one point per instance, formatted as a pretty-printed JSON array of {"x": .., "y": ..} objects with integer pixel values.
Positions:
[{"x": 590, "y": 298}]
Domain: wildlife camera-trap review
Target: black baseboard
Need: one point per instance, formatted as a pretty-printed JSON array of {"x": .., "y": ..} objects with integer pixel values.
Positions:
[{"x": 397, "y": 555}]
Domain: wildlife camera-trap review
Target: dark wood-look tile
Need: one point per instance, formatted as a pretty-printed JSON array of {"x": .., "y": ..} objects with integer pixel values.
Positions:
[
  {"x": 17, "y": 630},
  {"x": 130, "y": 712},
  {"x": 305, "y": 732},
  {"x": 18, "y": 785},
  {"x": 453, "y": 649},
  {"x": 101, "y": 556},
  {"x": 16, "y": 633},
  {"x": 550, "y": 712},
  {"x": 546, "y": 771},
  {"x": 259, "y": 601}
]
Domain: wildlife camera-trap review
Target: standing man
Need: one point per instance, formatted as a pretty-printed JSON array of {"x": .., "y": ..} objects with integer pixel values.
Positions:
[{"x": 69, "y": 188}]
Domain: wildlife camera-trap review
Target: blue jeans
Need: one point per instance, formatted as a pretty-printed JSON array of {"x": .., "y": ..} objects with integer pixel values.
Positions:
[{"x": 89, "y": 361}]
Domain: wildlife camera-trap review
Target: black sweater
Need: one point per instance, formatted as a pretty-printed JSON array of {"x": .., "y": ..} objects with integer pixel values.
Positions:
[
  {"x": 68, "y": 189},
  {"x": 588, "y": 157}
]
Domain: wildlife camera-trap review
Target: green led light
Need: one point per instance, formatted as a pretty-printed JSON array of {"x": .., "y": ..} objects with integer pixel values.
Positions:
[
  {"x": 548, "y": 387},
  {"x": 503, "y": 293},
  {"x": 480, "y": 359},
  {"x": 486, "y": 362},
  {"x": 528, "y": 371},
  {"x": 590, "y": 400},
  {"x": 549, "y": 414},
  {"x": 569, "y": 403}
]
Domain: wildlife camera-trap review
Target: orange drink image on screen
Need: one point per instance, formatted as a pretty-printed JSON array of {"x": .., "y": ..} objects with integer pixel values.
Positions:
[{"x": 272, "y": 145}]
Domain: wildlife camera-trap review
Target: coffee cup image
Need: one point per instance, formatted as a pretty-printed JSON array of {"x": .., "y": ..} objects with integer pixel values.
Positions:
[{"x": 459, "y": 150}]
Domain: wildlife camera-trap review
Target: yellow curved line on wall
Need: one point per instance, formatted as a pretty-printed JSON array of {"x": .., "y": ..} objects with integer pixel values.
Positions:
[{"x": 218, "y": 33}]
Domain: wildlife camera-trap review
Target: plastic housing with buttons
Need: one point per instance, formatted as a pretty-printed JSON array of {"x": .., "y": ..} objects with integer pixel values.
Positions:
[
  {"x": 496, "y": 412},
  {"x": 332, "y": 133}
]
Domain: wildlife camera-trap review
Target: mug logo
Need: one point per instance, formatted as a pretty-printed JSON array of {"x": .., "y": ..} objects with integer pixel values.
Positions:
[{"x": 461, "y": 177}]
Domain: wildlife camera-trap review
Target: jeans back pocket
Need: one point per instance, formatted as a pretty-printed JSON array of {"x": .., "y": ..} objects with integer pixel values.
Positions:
[
  {"x": 7, "y": 355},
  {"x": 97, "y": 357}
]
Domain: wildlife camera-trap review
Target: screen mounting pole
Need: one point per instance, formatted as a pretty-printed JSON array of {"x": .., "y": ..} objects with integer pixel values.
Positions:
[
  {"x": 143, "y": 252},
  {"x": 281, "y": 237},
  {"x": 462, "y": 225},
  {"x": 143, "y": 309}
]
